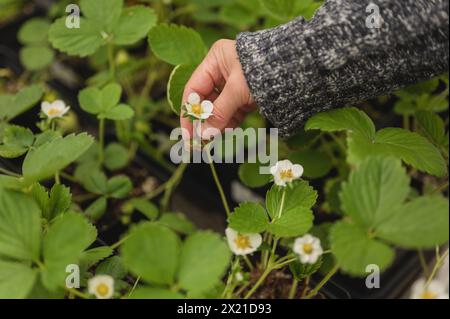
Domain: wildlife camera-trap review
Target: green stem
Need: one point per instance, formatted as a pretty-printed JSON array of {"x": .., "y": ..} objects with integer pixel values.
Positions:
[
  {"x": 439, "y": 262},
  {"x": 423, "y": 263},
  {"x": 134, "y": 286},
  {"x": 322, "y": 283},
  {"x": 294, "y": 288},
  {"x": 77, "y": 293},
  {"x": 8, "y": 172},
  {"x": 259, "y": 282},
  {"x": 171, "y": 185},
  {"x": 112, "y": 66},
  {"x": 101, "y": 132},
  {"x": 119, "y": 242},
  {"x": 248, "y": 262},
  {"x": 219, "y": 186},
  {"x": 228, "y": 285}
]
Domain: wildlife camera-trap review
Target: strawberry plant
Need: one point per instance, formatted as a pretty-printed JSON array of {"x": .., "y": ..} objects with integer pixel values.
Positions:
[{"x": 84, "y": 215}]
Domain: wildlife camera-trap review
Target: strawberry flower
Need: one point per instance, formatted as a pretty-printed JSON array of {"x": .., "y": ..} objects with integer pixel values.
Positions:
[
  {"x": 308, "y": 248},
  {"x": 434, "y": 290},
  {"x": 197, "y": 109},
  {"x": 285, "y": 172},
  {"x": 102, "y": 286},
  {"x": 242, "y": 244},
  {"x": 55, "y": 109}
]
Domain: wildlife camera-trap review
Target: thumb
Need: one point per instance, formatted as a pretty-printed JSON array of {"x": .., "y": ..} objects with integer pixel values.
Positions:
[{"x": 226, "y": 106}]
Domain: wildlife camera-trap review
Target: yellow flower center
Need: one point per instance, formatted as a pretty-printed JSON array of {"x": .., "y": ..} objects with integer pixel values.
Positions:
[
  {"x": 53, "y": 112},
  {"x": 307, "y": 249},
  {"x": 242, "y": 242},
  {"x": 102, "y": 290},
  {"x": 287, "y": 174},
  {"x": 429, "y": 295},
  {"x": 197, "y": 109}
]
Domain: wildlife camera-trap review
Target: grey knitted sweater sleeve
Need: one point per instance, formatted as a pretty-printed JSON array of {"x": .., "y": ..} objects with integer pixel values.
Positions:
[{"x": 301, "y": 68}]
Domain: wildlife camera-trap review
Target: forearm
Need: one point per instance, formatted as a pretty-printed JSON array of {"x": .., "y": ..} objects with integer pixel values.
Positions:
[{"x": 302, "y": 68}]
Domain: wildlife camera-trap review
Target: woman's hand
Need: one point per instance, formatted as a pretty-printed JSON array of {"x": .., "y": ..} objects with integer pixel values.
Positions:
[{"x": 220, "y": 79}]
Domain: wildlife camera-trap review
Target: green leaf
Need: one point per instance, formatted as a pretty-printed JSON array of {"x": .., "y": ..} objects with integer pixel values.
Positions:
[
  {"x": 119, "y": 113},
  {"x": 16, "y": 280},
  {"x": 113, "y": 267},
  {"x": 20, "y": 226},
  {"x": 355, "y": 250},
  {"x": 90, "y": 100},
  {"x": 45, "y": 160},
  {"x": 301, "y": 271},
  {"x": 296, "y": 221},
  {"x": 64, "y": 244},
  {"x": 343, "y": 119},
  {"x": 432, "y": 127},
  {"x": 119, "y": 186},
  {"x": 16, "y": 141},
  {"x": 300, "y": 194},
  {"x": 133, "y": 25},
  {"x": 105, "y": 13},
  {"x": 59, "y": 201},
  {"x": 81, "y": 41},
  {"x": 421, "y": 223},
  {"x": 34, "y": 31},
  {"x": 92, "y": 256},
  {"x": 175, "y": 86},
  {"x": 315, "y": 163},
  {"x": 250, "y": 176},
  {"x": 97, "y": 209},
  {"x": 204, "y": 259},
  {"x": 249, "y": 218},
  {"x": 155, "y": 293},
  {"x": 280, "y": 9},
  {"x": 374, "y": 190},
  {"x": 93, "y": 180},
  {"x": 152, "y": 252},
  {"x": 177, "y": 222},
  {"x": 413, "y": 149},
  {"x": 14, "y": 105},
  {"x": 110, "y": 96},
  {"x": 116, "y": 156},
  {"x": 145, "y": 207},
  {"x": 177, "y": 44},
  {"x": 36, "y": 57}
]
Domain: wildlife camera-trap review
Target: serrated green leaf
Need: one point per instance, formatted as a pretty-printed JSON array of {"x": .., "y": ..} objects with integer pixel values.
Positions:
[
  {"x": 374, "y": 190},
  {"x": 16, "y": 280},
  {"x": 177, "y": 222},
  {"x": 81, "y": 41},
  {"x": 295, "y": 221},
  {"x": 203, "y": 261},
  {"x": 301, "y": 271},
  {"x": 249, "y": 218},
  {"x": 431, "y": 126},
  {"x": 113, "y": 267},
  {"x": 134, "y": 24},
  {"x": 280, "y": 9},
  {"x": 64, "y": 244},
  {"x": 45, "y": 160},
  {"x": 421, "y": 223},
  {"x": 104, "y": 13},
  {"x": 175, "y": 86},
  {"x": 59, "y": 201},
  {"x": 92, "y": 256},
  {"x": 145, "y": 207},
  {"x": 177, "y": 44},
  {"x": 299, "y": 194},
  {"x": 355, "y": 250},
  {"x": 20, "y": 226},
  {"x": 16, "y": 141},
  {"x": 152, "y": 252},
  {"x": 14, "y": 105},
  {"x": 343, "y": 119}
]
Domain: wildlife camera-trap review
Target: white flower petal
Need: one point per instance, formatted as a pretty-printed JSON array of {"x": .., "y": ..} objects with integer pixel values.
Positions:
[
  {"x": 207, "y": 107},
  {"x": 95, "y": 282},
  {"x": 58, "y": 105},
  {"x": 45, "y": 107},
  {"x": 194, "y": 98},
  {"x": 297, "y": 170}
]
